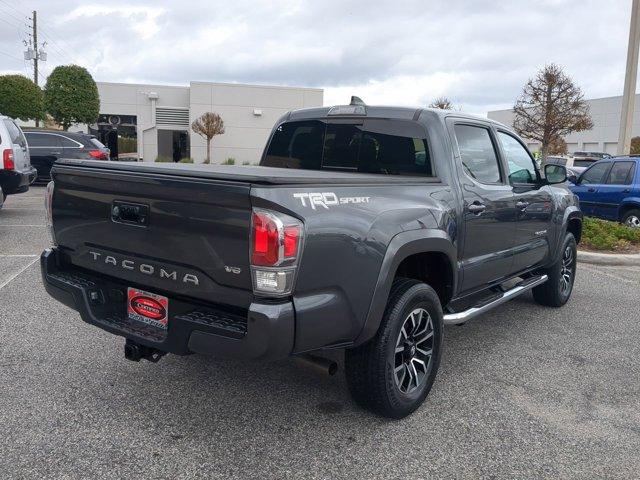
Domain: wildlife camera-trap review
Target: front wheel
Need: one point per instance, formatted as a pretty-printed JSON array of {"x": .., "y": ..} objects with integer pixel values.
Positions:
[
  {"x": 556, "y": 291},
  {"x": 632, "y": 218},
  {"x": 393, "y": 373}
]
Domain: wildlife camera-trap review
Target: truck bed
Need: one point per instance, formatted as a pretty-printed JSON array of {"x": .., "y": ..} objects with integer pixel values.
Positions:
[{"x": 246, "y": 174}]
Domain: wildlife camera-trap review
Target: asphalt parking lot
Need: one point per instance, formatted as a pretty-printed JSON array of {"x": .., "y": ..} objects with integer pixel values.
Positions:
[{"x": 523, "y": 392}]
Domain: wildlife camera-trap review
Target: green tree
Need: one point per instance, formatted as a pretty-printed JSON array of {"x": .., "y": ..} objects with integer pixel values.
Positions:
[
  {"x": 20, "y": 98},
  {"x": 71, "y": 96}
]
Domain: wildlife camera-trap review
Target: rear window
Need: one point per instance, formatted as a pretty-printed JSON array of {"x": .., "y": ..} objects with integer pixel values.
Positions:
[
  {"x": 15, "y": 134},
  {"x": 97, "y": 143},
  {"x": 388, "y": 147},
  {"x": 583, "y": 163}
]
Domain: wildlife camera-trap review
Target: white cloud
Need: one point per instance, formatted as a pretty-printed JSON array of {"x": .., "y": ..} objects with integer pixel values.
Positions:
[
  {"x": 479, "y": 53},
  {"x": 143, "y": 20}
]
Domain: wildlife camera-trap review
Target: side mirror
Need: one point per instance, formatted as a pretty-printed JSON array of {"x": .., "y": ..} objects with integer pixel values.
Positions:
[{"x": 555, "y": 174}]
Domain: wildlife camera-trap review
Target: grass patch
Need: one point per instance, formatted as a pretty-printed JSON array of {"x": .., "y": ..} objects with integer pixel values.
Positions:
[{"x": 609, "y": 236}]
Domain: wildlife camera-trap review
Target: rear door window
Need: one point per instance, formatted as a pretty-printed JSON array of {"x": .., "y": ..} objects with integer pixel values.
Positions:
[
  {"x": 621, "y": 173},
  {"x": 595, "y": 174},
  {"x": 42, "y": 140},
  {"x": 478, "y": 155},
  {"x": 379, "y": 146}
]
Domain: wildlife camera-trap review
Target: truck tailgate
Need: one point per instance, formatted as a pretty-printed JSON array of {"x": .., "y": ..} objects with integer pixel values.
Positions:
[{"x": 179, "y": 235}]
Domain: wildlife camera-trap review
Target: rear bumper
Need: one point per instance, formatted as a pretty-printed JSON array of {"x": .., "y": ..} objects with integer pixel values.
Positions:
[
  {"x": 12, "y": 181},
  {"x": 265, "y": 331}
]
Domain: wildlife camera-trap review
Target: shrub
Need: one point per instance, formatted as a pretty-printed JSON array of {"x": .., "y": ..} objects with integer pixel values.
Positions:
[
  {"x": 186, "y": 160},
  {"x": 229, "y": 161},
  {"x": 604, "y": 235},
  {"x": 163, "y": 159}
]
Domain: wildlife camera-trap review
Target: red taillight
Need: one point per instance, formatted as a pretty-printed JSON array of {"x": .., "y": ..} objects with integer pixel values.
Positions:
[
  {"x": 276, "y": 245},
  {"x": 266, "y": 240},
  {"x": 98, "y": 154},
  {"x": 291, "y": 236},
  {"x": 7, "y": 159},
  {"x": 275, "y": 239}
]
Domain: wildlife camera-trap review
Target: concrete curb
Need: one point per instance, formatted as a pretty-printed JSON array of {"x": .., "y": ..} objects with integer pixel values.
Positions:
[{"x": 594, "y": 258}]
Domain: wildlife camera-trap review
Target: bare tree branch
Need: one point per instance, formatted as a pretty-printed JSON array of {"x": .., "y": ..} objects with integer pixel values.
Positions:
[
  {"x": 443, "y": 103},
  {"x": 208, "y": 125},
  {"x": 550, "y": 107}
]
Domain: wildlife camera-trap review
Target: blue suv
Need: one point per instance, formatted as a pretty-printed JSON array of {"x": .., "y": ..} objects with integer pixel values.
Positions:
[{"x": 610, "y": 189}]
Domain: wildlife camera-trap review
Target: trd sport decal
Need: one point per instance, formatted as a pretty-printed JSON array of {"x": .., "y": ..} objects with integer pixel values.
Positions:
[{"x": 326, "y": 199}]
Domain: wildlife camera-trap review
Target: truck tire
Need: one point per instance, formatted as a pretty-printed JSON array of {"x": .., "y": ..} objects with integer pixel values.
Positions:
[
  {"x": 556, "y": 291},
  {"x": 393, "y": 373},
  {"x": 632, "y": 218}
]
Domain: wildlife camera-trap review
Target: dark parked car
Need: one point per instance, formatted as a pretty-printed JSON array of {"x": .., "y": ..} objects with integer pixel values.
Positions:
[
  {"x": 381, "y": 226},
  {"x": 47, "y": 146},
  {"x": 610, "y": 189}
]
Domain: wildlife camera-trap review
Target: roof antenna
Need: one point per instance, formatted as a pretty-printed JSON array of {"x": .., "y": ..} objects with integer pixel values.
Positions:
[{"x": 357, "y": 101}]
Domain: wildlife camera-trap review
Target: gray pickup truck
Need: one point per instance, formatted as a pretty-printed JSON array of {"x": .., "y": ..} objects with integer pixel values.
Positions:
[{"x": 364, "y": 228}]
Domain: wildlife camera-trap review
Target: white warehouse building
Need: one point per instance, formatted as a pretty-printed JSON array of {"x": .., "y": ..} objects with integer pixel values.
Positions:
[
  {"x": 603, "y": 137},
  {"x": 145, "y": 122}
]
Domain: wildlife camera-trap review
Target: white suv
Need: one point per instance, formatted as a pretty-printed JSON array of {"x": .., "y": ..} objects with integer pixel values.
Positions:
[{"x": 16, "y": 172}]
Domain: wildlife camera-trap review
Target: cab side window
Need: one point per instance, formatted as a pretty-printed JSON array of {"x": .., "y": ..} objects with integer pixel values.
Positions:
[
  {"x": 522, "y": 168},
  {"x": 477, "y": 153}
]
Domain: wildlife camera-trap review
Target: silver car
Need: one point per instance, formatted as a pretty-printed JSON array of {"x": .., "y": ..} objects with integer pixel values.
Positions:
[{"x": 16, "y": 172}]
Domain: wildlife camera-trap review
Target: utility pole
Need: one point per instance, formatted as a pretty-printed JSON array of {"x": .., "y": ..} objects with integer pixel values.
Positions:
[
  {"x": 35, "y": 48},
  {"x": 35, "y": 53},
  {"x": 631, "y": 75}
]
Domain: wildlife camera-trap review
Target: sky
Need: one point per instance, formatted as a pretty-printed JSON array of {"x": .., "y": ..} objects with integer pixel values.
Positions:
[{"x": 477, "y": 53}]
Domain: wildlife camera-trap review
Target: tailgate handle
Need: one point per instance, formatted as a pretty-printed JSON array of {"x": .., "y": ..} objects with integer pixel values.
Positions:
[{"x": 130, "y": 213}]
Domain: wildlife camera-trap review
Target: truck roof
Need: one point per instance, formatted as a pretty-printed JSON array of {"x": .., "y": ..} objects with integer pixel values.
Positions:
[{"x": 400, "y": 113}]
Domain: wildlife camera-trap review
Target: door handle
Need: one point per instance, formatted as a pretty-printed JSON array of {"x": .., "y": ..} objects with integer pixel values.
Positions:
[
  {"x": 626, "y": 190},
  {"x": 591, "y": 190},
  {"x": 522, "y": 205},
  {"x": 477, "y": 208}
]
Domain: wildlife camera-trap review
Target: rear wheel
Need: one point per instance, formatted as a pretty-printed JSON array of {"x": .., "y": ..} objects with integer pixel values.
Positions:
[
  {"x": 556, "y": 291},
  {"x": 393, "y": 373},
  {"x": 632, "y": 218}
]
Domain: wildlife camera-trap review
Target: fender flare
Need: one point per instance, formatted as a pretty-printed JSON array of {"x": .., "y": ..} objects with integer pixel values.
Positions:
[
  {"x": 633, "y": 202},
  {"x": 571, "y": 213},
  {"x": 402, "y": 246}
]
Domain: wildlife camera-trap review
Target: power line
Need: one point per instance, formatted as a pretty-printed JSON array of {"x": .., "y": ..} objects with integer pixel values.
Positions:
[
  {"x": 11, "y": 56},
  {"x": 12, "y": 25},
  {"x": 19, "y": 12}
]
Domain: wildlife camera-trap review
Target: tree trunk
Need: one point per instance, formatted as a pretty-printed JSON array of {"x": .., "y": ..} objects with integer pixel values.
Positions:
[{"x": 208, "y": 160}]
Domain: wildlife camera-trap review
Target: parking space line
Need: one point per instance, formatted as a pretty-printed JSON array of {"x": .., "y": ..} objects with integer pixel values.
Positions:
[
  {"x": 18, "y": 255},
  {"x": 17, "y": 225},
  {"x": 2, "y": 285}
]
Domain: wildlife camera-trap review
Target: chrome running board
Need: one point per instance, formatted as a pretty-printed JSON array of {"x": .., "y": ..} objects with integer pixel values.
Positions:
[{"x": 519, "y": 289}]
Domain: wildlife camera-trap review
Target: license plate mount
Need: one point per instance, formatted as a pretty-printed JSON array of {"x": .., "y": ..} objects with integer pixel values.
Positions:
[{"x": 148, "y": 307}]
